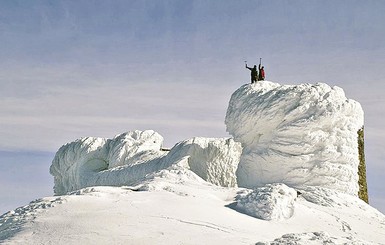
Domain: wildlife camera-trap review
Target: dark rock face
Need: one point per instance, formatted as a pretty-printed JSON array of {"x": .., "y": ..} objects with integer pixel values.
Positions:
[{"x": 363, "y": 188}]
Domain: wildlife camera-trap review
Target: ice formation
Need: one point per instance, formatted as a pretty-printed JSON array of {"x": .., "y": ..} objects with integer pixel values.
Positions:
[
  {"x": 214, "y": 160},
  {"x": 300, "y": 135},
  {"x": 297, "y": 158},
  {"x": 271, "y": 202},
  {"x": 130, "y": 156}
]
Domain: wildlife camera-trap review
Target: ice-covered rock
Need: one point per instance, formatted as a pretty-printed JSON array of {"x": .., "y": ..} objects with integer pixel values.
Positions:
[
  {"x": 300, "y": 135},
  {"x": 131, "y": 156},
  {"x": 97, "y": 161},
  {"x": 271, "y": 202}
]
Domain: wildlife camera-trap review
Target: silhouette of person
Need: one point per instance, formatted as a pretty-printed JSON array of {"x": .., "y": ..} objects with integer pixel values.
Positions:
[{"x": 254, "y": 73}]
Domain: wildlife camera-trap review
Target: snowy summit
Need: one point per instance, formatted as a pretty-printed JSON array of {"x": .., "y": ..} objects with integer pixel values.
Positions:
[{"x": 291, "y": 174}]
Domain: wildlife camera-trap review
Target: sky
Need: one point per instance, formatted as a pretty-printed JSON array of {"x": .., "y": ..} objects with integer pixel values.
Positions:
[{"x": 70, "y": 69}]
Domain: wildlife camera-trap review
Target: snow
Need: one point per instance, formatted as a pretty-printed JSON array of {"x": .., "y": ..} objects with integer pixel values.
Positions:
[
  {"x": 271, "y": 202},
  {"x": 175, "y": 206},
  {"x": 130, "y": 156},
  {"x": 85, "y": 162},
  {"x": 215, "y": 160},
  {"x": 129, "y": 190},
  {"x": 312, "y": 238},
  {"x": 300, "y": 135}
]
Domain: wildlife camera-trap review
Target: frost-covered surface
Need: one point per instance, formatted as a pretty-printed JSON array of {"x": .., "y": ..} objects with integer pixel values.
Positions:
[
  {"x": 271, "y": 202},
  {"x": 130, "y": 156},
  {"x": 189, "y": 195},
  {"x": 300, "y": 135},
  {"x": 97, "y": 161},
  {"x": 214, "y": 160}
]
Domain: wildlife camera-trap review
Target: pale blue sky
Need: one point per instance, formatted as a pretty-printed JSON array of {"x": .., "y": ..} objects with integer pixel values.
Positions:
[{"x": 70, "y": 69}]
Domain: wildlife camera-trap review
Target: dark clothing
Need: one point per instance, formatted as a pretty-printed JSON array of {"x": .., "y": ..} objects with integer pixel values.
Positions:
[
  {"x": 254, "y": 73},
  {"x": 261, "y": 76}
]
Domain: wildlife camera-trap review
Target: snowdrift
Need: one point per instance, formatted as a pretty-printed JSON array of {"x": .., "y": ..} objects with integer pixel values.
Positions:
[
  {"x": 299, "y": 135},
  {"x": 130, "y": 156}
]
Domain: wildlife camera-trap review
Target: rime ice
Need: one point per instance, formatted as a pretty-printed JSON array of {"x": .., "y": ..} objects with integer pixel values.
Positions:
[
  {"x": 130, "y": 156},
  {"x": 300, "y": 135},
  {"x": 296, "y": 167}
]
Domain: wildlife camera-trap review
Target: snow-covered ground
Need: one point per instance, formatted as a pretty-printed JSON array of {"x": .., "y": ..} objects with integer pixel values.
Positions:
[
  {"x": 175, "y": 206},
  {"x": 297, "y": 175}
]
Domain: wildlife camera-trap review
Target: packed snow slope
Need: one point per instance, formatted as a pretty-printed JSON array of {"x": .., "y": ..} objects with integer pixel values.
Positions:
[
  {"x": 300, "y": 135},
  {"x": 296, "y": 164}
]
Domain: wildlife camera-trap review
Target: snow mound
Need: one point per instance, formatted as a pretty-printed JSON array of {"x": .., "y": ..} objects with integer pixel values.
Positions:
[
  {"x": 129, "y": 157},
  {"x": 271, "y": 202},
  {"x": 300, "y": 135}
]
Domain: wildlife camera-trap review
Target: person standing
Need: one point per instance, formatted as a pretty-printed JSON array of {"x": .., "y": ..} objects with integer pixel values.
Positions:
[
  {"x": 254, "y": 73},
  {"x": 261, "y": 76}
]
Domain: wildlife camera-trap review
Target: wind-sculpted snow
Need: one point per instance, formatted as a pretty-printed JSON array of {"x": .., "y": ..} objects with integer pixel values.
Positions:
[
  {"x": 214, "y": 160},
  {"x": 98, "y": 161},
  {"x": 131, "y": 156},
  {"x": 129, "y": 190},
  {"x": 300, "y": 135}
]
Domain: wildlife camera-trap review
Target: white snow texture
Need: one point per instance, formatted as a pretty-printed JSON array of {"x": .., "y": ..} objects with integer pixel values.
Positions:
[
  {"x": 271, "y": 202},
  {"x": 297, "y": 158},
  {"x": 299, "y": 135},
  {"x": 129, "y": 157}
]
